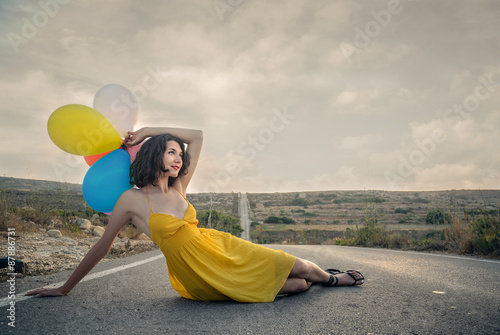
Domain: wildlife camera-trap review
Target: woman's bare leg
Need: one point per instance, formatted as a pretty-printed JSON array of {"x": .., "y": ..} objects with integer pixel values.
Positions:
[
  {"x": 308, "y": 271},
  {"x": 304, "y": 273},
  {"x": 295, "y": 285}
]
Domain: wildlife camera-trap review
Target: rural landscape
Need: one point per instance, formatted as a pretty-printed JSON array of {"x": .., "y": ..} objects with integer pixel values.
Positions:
[{"x": 454, "y": 221}]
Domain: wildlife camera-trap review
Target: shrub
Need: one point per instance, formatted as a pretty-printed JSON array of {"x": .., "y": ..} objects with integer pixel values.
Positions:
[
  {"x": 400, "y": 210},
  {"x": 485, "y": 232},
  {"x": 375, "y": 199},
  {"x": 308, "y": 214},
  {"x": 370, "y": 236},
  {"x": 345, "y": 200},
  {"x": 299, "y": 202},
  {"x": 480, "y": 212},
  {"x": 344, "y": 242},
  {"x": 396, "y": 240},
  {"x": 328, "y": 196},
  {"x": 437, "y": 216},
  {"x": 279, "y": 219},
  {"x": 432, "y": 241}
]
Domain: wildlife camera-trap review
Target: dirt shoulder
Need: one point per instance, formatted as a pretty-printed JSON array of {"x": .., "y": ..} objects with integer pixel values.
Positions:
[{"x": 45, "y": 255}]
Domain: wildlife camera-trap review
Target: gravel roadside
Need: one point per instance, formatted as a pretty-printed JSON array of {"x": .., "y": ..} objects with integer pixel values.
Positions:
[{"x": 45, "y": 255}]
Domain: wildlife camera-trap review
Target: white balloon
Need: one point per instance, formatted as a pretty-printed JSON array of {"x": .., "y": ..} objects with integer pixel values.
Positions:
[{"x": 117, "y": 104}]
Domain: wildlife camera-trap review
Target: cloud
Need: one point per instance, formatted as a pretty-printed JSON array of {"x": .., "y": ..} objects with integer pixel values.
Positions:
[
  {"x": 346, "y": 97},
  {"x": 385, "y": 110},
  {"x": 363, "y": 142},
  {"x": 450, "y": 176},
  {"x": 440, "y": 153}
]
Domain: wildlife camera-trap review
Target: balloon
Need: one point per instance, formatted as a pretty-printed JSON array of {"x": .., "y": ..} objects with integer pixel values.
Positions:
[
  {"x": 80, "y": 130},
  {"x": 132, "y": 151},
  {"x": 119, "y": 106},
  {"x": 92, "y": 159},
  {"x": 106, "y": 180}
]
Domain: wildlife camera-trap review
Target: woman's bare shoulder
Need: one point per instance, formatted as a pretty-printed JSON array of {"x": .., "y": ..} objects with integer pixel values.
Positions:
[
  {"x": 133, "y": 195},
  {"x": 131, "y": 199},
  {"x": 132, "y": 203}
]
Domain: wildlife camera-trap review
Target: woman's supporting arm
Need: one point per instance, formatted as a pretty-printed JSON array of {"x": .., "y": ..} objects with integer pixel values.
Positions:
[{"x": 118, "y": 220}]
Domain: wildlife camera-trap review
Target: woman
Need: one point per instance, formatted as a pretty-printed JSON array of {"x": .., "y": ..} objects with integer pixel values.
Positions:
[{"x": 204, "y": 264}]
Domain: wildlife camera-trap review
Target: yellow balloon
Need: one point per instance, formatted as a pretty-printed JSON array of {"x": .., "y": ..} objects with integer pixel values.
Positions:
[{"x": 81, "y": 130}]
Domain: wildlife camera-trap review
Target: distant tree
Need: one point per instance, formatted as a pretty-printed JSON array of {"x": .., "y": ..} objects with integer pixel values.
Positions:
[{"x": 222, "y": 222}]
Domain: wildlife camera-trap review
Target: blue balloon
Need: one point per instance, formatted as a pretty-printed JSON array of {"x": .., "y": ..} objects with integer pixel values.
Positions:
[{"x": 106, "y": 180}]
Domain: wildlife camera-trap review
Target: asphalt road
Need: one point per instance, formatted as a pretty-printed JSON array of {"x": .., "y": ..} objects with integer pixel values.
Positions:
[
  {"x": 405, "y": 293},
  {"x": 244, "y": 218}
]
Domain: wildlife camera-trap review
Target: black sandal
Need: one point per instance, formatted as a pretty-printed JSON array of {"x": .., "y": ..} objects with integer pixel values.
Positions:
[
  {"x": 349, "y": 272},
  {"x": 333, "y": 281}
]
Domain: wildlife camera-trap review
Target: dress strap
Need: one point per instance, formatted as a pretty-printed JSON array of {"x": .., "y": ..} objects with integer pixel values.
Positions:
[
  {"x": 149, "y": 204},
  {"x": 180, "y": 193}
]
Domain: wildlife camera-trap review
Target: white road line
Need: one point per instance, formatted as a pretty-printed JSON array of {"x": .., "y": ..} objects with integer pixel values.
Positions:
[
  {"x": 22, "y": 296},
  {"x": 465, "y": 257},
  {"x": 417, "y": 253}
]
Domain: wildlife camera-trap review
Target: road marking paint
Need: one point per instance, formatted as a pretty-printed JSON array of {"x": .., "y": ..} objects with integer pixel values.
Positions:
[
  {"x": 438, "y": 292},
  {"x": 22, "y": 296},
  {"x": 470, "y": 258}
]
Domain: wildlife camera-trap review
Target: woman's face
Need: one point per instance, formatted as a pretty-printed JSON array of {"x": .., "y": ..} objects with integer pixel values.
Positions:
[{"x": 172, "y": 158}]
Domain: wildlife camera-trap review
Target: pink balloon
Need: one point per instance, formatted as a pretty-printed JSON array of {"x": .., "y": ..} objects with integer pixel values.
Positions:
[{"x": 132, "y": 151}]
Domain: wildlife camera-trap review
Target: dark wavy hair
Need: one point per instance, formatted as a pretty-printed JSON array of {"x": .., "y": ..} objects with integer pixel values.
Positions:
[{"x": 148, "y": 164}]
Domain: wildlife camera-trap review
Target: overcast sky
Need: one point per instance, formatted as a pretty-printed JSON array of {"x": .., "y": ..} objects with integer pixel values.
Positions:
[{"x": 292, "y": 95}]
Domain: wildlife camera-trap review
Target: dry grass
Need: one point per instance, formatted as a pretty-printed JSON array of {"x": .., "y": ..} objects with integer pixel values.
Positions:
[
  {"x": 458, "y": 236},
  {"x": 32, "y": 220},
  {"x": 11, "y": 220},
  {"x": 130, "y": 231}
]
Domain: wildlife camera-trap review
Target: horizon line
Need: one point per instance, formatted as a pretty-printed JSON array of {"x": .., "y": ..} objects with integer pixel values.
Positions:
[{"x": 316, "y": 191}]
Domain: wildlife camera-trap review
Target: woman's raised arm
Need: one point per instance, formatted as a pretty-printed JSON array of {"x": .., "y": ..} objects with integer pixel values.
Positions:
[{"x": 192, "y": 137}]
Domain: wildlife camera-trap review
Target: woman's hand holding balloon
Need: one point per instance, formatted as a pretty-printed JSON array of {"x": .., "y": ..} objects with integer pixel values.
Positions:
[{"x": 135, "y": 137}]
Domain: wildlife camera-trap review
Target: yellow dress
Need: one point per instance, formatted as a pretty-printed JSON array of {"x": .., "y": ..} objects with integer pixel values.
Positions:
[{"x": 210, "y": 265}]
